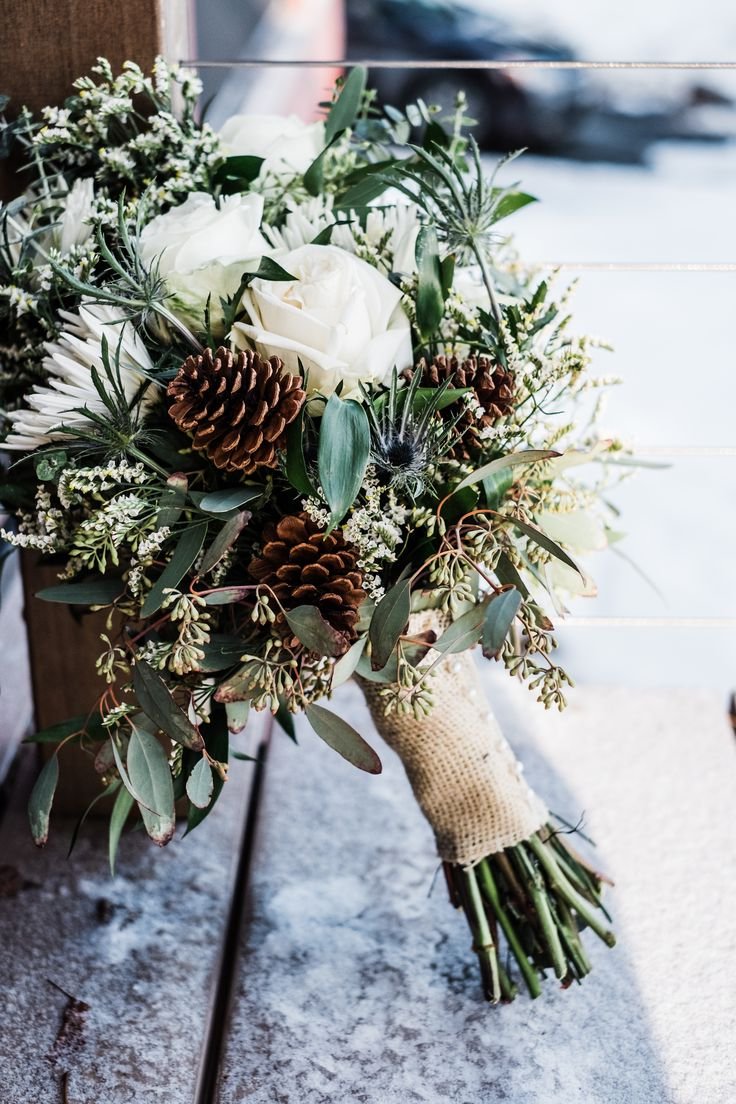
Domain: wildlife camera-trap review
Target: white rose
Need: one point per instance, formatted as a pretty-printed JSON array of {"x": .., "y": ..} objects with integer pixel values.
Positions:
[
  {"x": 202, "y": 250},
  {"x": 339, "y": 316},
  {"x": 287, "y": 145}
]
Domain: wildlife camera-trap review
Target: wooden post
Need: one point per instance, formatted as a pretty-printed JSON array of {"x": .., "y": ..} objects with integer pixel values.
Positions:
[{"x": 44, "y": 46}]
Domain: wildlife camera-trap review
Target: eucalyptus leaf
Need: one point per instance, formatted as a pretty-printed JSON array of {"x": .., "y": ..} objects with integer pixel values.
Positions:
[
  {"x": 149, "y": 773},
  {"x": 186, "y": 551},
  {"x": 237, "y": 714},
  {"x": 430, "y": 303},
  {"x": 224, "y": 541},
  {"x": 347, "y": 664},
  {"x": 172, "y": 501},
  {"x": 94, "y": 592},
  {"x": 221, "y": 502},
  {"x": 345, "y": 109},
  {"x": 316, "y": 634},
  {"x": 296, "y": 467},
  {"x": 463, "y": 633},
  {"x": 546, "y": 542},
  {"x": 200, "y": 784},
  {"x": 41, "y": 800},
  {"x": 217, "y": 742},
  {"x": 120, "y": 813},
  {"x": 499, "y": 617},
  {"x": 154, "y": 698},
  {"x": 286, "y": 721},
  {"x": 227, "y": 596},
  {"x": 88, "y": 723},
  {"x": 511, "y": 460},
  {"x": 388, "y": 623},
  {"x": 344, "y": 450},
  {"x": 495, "y": 487},
  {"x": 343, "y": 738}
]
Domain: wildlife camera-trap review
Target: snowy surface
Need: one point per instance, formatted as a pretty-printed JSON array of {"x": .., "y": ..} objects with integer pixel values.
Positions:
[
  {"x": 140, "y": 949},
  {"x": 358, "y": 985}
]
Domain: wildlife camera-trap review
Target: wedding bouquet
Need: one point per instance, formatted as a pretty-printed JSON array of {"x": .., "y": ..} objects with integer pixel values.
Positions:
[{"x": 284, "y": 401}]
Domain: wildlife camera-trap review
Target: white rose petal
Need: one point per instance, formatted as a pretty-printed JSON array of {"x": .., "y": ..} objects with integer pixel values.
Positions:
[
  {"x": 339, "y": 316},
  {"x": 202, "y": 249},
  {"x": 287, "y": 145}
]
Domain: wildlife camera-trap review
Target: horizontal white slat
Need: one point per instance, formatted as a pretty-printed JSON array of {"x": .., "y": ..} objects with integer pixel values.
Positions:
[{"x": 471, "y": 64}]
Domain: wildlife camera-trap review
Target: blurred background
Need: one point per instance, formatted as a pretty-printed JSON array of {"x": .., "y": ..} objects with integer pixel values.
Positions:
[{"x": 635, "y": 170}]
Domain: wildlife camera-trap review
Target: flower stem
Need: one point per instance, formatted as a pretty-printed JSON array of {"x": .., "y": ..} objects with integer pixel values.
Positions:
[
  {"x": 490, "y": 889},
  {"x": 567, "y": 892},
  {"x": 485, "y": 947},
  {"x": 538, "y": 894}
]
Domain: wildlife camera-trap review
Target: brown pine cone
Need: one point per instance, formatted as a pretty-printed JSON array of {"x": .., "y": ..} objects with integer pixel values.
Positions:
[
  {"x": 235, "y": 407},
  {"x": 493, "y": 387},
  {"x": 303, "y": 565}
]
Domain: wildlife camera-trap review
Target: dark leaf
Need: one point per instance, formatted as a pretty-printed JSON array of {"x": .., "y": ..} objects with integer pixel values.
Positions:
[
  {"x": 184, "y": 555},
  {"x": 546, "y": 542},
  {"x": 224, "y": 541},
  {"x": 149, "y": 773},
  {"x": 221, "y": 502},
  {"x": 217, "y": 742},
  {"x": 120, "y": 811},
  {"x": 344, "y": 449},
  {"x": 296, "y": 468},
  {"x": 316, "y": 634},
  {"x": 173, "y": 500},
  {"x": 495, "y": 487},
  {"x": 154, "y": 698},
  {"x": 89, "y": 723},
  {"x": 93, "y": 592},
  {"x": 345, "y": 108},
  {"x": 388, "y": 623},
  {"x": 41, "y": 800},
  {"x": 429, "y": 299},
  {"x": 221, "y": 652},
  {"x": 286, "y": 720},
  {"x": 343, "y": 738},
  {"x": 500, "y": 614}
]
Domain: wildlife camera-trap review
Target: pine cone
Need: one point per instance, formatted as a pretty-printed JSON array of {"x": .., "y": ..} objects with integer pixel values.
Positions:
[
  {"x": 303, "y": 565},
  {"x": 493, "y": 387},
  {"x": 236, "y": 407}
]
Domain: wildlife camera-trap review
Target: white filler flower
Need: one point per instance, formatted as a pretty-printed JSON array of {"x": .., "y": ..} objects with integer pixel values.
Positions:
[
  {"x": 339, "y": 316},
  {"x": 69, "y": 385},
  {"x": 287, "y": 145},
  {"x": 202, "y": 249}
]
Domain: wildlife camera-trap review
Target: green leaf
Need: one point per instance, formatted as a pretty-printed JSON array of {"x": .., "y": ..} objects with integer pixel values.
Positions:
[
  {"x": 120, "y": 812},
  {"x": 344, "y": 450},
  {"x": 388, "y": 623},
  {"x": 363, "y": 192},
  {"x": 296, "y": 467},
  {"x": 314, "y": 177},
  {"x": 343, "y": 739},
  {"x": 237, "y": 714},
  {"x": 227, "y": 596},
  {"x": 41, "y": 800},
  {"x": 316, "y": 634},
  {"x": 386, "y": 675},
  {"x": 499, "y": 617},
  {"x": 94, "y": 592},
  {"x": 511, "y": 460},
  {"x": 462, "y": 633},
  {"x": 173, "y": 500},
  {"x": 507, "y": 574},
  {"x": 268, "y": 269},
  {"x": 149, "y": 773},
  {"x": 221, "y": 652},
  {"x": 346, "y": 666},
  {"x": 495, "y": 487},
  {"x": 286, "y": 721},
  {"x": 200, "y": 784},
  {"x": 217, "y": 742},
  {"x": 184, "y": 555},
  {"x": 512, "y": 202},
  {"x": 154, "y": 698},
  {"x": 345, "y": 109},
  {"x": 429, "y": 299},
  {"x": 224, "y": 541},
  {"x": 221, "y": 502},
  {"x": 237, "y": 171},
  {"x": 89, "y": 723},
  {"x": 546, "y": 542}
]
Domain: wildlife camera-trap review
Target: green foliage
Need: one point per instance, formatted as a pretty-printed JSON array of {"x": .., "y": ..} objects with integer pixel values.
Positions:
[
  {"x": 343, "y": 738},
  {"x": 344, "y": 450}
]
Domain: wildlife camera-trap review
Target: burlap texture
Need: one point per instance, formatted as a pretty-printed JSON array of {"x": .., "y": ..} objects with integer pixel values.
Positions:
[{"x": 467, "y": 780}]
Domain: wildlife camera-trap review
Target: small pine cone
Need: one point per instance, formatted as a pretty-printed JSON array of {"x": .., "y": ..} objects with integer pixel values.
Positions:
[
  {"x": 494, "y": 391},
  {"x": 235, "y": 407},
  {"x": 303, "y": 565}
]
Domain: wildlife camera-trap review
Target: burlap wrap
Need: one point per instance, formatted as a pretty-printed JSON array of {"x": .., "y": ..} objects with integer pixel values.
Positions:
[{"x": 465, "y": 776}]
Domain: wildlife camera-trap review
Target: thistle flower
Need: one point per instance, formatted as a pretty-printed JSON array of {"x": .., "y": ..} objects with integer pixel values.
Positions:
[{"x": 70, "y": 365}]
